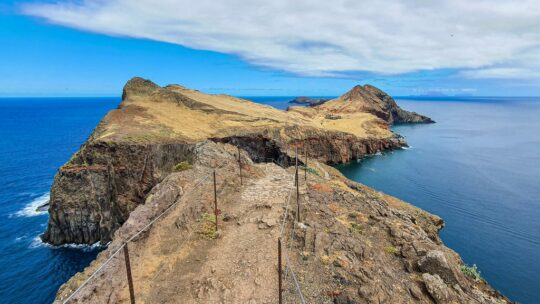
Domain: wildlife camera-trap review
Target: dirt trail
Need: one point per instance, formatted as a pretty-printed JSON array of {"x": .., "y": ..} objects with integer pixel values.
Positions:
[{"x": 238, "y": 266}]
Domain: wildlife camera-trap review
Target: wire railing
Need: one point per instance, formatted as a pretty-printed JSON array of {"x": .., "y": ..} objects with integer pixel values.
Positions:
[
  {"x": 130, "y": 239},
  {"x": 284, "y": 251}
]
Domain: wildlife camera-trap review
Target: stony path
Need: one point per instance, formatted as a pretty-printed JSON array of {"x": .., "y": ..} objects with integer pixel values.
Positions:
[{"x": 237, "y": 267}]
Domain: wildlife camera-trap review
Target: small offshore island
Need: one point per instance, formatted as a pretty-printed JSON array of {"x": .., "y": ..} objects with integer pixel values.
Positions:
[{"x": 352, "y": 244}]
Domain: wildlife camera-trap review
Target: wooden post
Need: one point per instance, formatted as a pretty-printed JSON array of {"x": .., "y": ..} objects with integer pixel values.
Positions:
[
  {"x": 128, "y": 271},
  {"x": 240, "y": 165},
  {"x": 215, "y": 201},
  {"x": 279, "y": 271}
]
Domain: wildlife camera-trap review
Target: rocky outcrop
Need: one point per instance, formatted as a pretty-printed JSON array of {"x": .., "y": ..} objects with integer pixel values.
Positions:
[
  {"x": 95, "y": 192},
  {"x": 351, "y": 245},
  {"x": 346, "y": 242},
  {"x": 309, "y": 101},
  {"x": 135, "y": 146},
  {"x": 368, "y": 98}
]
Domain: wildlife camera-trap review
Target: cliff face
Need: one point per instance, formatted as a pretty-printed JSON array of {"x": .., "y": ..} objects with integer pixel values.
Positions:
[
  {"x": 352, "y": 244},
  {"x": 94, "y": 193},
  {"x": 137, "y": 145}
]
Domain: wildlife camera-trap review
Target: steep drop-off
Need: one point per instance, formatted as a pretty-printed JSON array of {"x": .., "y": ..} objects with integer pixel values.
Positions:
[
  {"x": 352, "y": 244},
  {"x": 137, "y": 145}
]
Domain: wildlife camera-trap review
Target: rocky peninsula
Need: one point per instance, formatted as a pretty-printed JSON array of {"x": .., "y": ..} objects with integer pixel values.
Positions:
[{"x": 352, "y": 244}]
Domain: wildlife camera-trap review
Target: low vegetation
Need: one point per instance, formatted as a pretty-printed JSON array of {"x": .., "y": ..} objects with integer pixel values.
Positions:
[
  {"x": 471, "y": 271},
  {"x": 183, "y": 166},
  {"x": 391, "y": 250},
  {"x": 311, "y": 171},
  {"x": 208, "y": 229},
  {"x": 355, "y": 227}
]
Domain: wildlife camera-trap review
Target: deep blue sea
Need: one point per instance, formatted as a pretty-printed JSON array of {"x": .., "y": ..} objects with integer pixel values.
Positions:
[
  {"x": 478, "y": 168},
  {"x": 37, "y": 136}
]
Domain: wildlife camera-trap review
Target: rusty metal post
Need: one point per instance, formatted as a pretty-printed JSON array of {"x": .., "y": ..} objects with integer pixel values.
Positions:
[
  {"x": 296, "y": 166},
  {"x": 240, "y": 165},
  {"x": 128, "y": 271},
  {"x": 297, "y": 189},
  {"x": 279, "y": 271},
  {"x": 305, "y": 164},
  {"x": 215, "y": 201}
]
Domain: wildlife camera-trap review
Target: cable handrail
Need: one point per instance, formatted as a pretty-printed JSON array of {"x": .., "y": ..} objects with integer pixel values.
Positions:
[
  {"x": 195, "y": 186},
  {"x": 288, "y": 264}
]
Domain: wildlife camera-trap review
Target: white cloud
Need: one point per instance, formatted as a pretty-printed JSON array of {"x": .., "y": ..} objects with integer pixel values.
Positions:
[
  {"x": 327, "y": 37},
  {"x": 501, "y": 73}
]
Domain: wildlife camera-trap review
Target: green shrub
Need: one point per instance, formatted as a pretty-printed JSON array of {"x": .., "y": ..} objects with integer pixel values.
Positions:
[
  {"x": 208, "y": 228},
  {"x": 471, "y": 271},
  {"x": 311, "y": 171},
  {"x": 355, "y": 227},
  {"x": 182, "y": 166},
  {"x": 391, "y": 250},
  {"x": 208, "y": 217}
]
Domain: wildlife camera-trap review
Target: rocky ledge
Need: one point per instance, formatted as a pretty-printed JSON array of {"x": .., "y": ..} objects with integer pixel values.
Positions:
[
  {"x": 351, "y": 245},
  {"x": 137, "y": 145},
  {"x": 346, "y": 243}
]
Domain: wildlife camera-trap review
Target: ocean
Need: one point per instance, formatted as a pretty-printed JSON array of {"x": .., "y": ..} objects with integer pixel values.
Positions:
[{"x": 478, "y": 168}]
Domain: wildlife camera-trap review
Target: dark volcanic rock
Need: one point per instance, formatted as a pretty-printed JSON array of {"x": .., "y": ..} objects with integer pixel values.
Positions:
[
  {"x": 94, "y": 193},
  {"x": 309, "y": 101}
]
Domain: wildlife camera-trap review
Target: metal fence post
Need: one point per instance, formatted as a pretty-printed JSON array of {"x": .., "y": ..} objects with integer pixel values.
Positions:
[
  {"x": 279, "y": 272},
  {"x": 215, "y": 201},
  {"x": 297, "y": 188},
  {"x": 305, "y": 164},
  {"x": 296, "y": 166},
  {"x": 240, "y": 165},
  {"x": 128, "y": 271}
]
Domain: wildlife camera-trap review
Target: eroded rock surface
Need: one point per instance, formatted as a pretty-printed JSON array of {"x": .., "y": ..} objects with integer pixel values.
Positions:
[
  {"x": 352, "y": 244},
  {"x": 137, "y": 145}
]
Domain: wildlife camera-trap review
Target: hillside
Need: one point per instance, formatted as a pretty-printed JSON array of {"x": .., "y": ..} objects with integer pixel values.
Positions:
[
  {"x": 351, "y": 245},
  {"x": 145, "y": 177},
  {"x": 135, "y": 146}
]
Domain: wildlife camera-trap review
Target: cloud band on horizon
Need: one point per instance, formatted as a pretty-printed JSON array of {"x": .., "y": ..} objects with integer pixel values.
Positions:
[{"x": 480, "y": 39}]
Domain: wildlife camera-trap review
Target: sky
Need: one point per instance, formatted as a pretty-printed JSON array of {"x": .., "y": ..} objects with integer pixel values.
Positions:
[{"x": 271, "y": 48}]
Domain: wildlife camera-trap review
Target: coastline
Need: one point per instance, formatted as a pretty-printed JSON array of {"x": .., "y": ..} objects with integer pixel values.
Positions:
[{"x": 127, "y": 172}]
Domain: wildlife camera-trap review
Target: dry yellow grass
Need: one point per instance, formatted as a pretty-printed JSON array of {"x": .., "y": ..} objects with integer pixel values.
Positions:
[{"x": 149, "y": 118}]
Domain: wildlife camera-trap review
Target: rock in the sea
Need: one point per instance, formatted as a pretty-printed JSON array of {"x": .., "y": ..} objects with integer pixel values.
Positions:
[{"x": 309, "y": 101}]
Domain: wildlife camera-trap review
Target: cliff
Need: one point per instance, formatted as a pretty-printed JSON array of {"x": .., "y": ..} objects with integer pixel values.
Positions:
[
  {"x": 351, "y": 245},
  {"x": 137, "y": 145},
  {"x": 346, "y": 243}
]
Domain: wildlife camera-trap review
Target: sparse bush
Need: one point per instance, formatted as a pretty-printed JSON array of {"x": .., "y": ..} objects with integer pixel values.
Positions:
[
  {"x": 208, "y": 228},
  {"x": 391, "y": 250},
  {"x": 182, "y": 166},
  {"x": 355, "y": 227},
  {"x": 311, "y": 171},
  {"x": 471, "y": 271}
]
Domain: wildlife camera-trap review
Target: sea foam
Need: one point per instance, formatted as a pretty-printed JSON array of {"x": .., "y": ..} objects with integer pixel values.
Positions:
[
  {"x": 37, "y": 243},
  {"x": 31, "y": 208}
]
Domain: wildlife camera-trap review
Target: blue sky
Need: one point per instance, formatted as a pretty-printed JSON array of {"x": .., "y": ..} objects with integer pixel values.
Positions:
[{"x": 87, "y": 48}]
